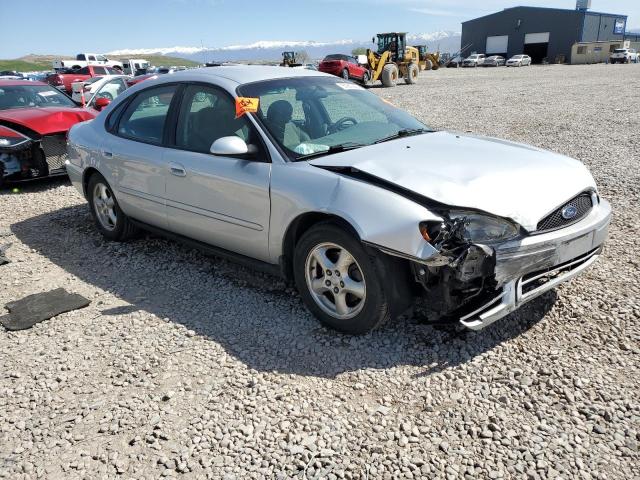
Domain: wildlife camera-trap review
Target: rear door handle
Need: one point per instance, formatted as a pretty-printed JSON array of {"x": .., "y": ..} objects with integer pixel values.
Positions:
[{"x": 177, "y": 170}]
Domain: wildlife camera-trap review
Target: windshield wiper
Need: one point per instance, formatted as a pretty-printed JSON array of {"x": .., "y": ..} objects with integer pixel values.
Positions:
[
  {"x": 341, "y": 147},
  {"x": 405, "y": 132}
]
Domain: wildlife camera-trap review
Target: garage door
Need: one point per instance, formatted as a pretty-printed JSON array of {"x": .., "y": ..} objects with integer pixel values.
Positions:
[
  {"x": 497, "y": 44},
  {"x": 536, "y": 37}
]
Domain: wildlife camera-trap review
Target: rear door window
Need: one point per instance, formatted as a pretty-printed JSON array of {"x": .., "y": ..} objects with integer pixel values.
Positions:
[{"x": 145, "y": 118}]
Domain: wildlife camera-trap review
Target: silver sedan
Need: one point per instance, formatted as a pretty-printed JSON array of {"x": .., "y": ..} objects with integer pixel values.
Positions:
[{"x": 359, "y": 204}]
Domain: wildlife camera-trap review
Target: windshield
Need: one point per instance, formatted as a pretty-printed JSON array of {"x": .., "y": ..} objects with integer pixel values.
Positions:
[
  {"x": 320, "y": 115},
  {"x": 517, "y": 57},
  {"x": 32, "y": 96},
  {"x": 620, "y": 50}
]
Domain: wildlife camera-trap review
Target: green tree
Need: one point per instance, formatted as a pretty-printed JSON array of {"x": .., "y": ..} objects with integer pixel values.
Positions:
[{"x": 359, "y": 51}]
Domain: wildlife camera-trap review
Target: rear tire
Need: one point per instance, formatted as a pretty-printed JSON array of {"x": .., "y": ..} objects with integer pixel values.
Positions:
[
  {"x": 326, "y": 249},
  {"x": 412, "y": 74},
  {"x": 110, "y": 220},
  {"x": 389, "y": 75}
]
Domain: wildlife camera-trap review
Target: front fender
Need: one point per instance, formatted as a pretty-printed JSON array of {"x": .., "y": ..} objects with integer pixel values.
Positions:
[{"x": 381, "y": 218}]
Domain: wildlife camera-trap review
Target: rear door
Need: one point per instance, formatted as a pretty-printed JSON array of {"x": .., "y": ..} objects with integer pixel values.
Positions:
[
  {"x": 220, "y": 200},
  {"x": 135, "y": 154}
]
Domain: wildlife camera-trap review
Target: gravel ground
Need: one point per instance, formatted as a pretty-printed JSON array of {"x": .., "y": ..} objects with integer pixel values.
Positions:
[{"x": 189, "y": 366}]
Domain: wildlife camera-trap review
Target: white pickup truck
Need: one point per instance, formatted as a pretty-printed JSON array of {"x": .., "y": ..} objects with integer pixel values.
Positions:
[
  {"x": 84, "y": 60},
  {"x": 624, "y": 55},
  {"x": 131, "y": 66}
]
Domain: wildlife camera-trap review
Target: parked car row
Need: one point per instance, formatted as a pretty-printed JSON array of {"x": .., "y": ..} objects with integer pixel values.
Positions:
[{"x": 481, "y": 60}]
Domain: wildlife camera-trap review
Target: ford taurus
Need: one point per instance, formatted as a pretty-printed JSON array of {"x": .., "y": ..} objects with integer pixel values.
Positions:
[{"x": 361, "y": 205}]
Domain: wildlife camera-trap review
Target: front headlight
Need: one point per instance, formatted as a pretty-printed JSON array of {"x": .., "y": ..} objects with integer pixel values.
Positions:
[
  {"x": 10, "y": 139},
  {"x": 483, "y": 228}
]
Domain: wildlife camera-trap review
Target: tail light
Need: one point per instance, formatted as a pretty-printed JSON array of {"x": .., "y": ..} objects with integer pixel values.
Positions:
[
  {"x": 55, "y": 80},
  {"x": 10, "y": 139}
]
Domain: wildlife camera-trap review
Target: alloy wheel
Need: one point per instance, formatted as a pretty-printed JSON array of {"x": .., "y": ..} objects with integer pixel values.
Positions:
[
  {"x": 335, "y": 280},
  {"x": 105, "y": 206}
]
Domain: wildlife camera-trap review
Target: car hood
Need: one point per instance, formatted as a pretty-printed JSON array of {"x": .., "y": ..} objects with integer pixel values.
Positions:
[
  {"x": 47, "y": 120},
  {"x": 503, "y": 178}
]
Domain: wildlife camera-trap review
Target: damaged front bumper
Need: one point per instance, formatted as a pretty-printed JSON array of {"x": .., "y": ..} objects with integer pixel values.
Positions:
[
  {"x": 39, "y": 157},
  {"x": 526, "y": 268},
  {"x": 478, "y": 284}
]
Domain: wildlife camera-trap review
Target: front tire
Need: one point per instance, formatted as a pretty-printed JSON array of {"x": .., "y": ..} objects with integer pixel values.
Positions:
[
  {"x": 340, "y": 283},
  {"x": 110, "y": 220},
  {"x": 345, "y": 74},
  {"x": 389, "y": 75}
]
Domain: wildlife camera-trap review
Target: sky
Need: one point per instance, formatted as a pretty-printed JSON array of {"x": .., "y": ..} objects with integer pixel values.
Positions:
[{"x": 67, "y": 27}]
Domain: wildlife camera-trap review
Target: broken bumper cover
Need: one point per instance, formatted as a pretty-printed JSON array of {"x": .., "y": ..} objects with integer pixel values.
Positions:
[
  {"x": 36, "y": 158},
  {"x": 531, "y": 266}
]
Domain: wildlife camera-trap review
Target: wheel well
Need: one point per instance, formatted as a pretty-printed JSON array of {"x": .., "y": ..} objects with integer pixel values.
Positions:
[
  {"x": 298, "y": 227},
  {"x": 86, "y": 176}
]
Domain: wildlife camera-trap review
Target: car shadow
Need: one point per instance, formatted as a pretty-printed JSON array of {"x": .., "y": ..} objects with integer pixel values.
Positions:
[
  {"x": 33, "y": 186},
  {"x": 265, "y": 325}
]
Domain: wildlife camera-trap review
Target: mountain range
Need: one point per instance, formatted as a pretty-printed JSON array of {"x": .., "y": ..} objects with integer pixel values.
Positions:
[{"x": 270, "y": 50}]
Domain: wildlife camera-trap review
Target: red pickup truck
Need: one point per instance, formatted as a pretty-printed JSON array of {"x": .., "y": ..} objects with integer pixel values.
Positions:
[{"x": 63, "y": 79}]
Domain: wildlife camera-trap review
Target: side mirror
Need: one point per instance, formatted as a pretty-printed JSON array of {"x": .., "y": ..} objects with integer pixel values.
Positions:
[
  {"x": 101, "y": 103},
  {"x": 229, "y": 146}
]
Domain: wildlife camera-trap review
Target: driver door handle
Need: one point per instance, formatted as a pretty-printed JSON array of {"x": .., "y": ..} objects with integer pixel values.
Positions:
[{"x": 177, "y": 170}]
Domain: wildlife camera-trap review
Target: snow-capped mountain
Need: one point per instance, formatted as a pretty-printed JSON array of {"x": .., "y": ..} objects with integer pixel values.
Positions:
[{"x": 271, "y": 50}]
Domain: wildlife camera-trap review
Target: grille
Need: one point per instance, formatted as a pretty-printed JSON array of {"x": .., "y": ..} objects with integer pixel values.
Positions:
[
  {"x": 55, "y": 151},
  {"x": 582, "y": 203},
  {"x": 536, "y": 280}
]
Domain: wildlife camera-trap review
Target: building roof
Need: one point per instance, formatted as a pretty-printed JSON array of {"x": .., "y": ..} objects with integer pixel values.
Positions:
[{"x": 587, "y": 12}]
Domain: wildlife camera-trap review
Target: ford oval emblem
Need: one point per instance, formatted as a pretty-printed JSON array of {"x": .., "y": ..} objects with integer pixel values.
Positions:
[{"x": 569, "y": 212}]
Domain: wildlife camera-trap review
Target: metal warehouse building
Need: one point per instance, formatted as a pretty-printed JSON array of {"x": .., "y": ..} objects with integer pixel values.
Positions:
[{"x": 540, "y": 32}]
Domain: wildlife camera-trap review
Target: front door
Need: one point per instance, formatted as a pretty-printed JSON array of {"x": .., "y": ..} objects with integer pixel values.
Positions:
[{"x": 220, "y": 200}]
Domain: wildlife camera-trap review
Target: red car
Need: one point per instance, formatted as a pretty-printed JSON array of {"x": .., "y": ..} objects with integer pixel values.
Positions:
[
  {"x": 344, "y": 66},
  {"x": 141, "y": 78},
  {"x": 34, "y": 121},
  {"x": 63, "y": 80}
]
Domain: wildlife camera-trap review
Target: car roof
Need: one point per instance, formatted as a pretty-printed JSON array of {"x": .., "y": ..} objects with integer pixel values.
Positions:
[
  {"x": 241, "y": 73},
  {"x": 13, "y": 83}
]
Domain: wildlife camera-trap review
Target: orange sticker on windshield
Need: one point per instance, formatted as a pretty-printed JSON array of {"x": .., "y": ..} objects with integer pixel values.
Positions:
[
  {"x": 246, "y": 105},
  {"x": 387, "y": 101}
]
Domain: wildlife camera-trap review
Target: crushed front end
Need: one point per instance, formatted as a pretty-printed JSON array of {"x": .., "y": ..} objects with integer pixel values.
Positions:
[
  {"x": 25, "y": 154},
  {"x": 477, "y": 283}
]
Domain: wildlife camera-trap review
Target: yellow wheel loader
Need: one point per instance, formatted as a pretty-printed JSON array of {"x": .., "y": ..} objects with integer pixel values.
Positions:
[
  {"x": 393, "y": 60},
  {"x": 428, "y": 61},
  {"x": 289, "y": 59}
]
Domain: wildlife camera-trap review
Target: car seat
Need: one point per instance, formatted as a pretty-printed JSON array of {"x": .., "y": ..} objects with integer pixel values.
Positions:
[{"x": 279, "y": 122}]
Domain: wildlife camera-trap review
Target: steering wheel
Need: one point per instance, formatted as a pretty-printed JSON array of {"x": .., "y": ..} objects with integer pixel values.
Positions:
[{"x": 342, "y": 124}]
